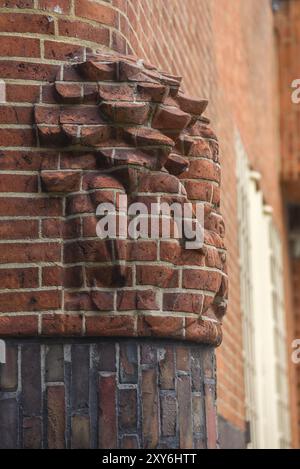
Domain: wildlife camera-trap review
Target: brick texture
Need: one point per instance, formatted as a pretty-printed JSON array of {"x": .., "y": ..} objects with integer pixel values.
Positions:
[
  {"x": 112, "y": 394},
  {"x": 198, "y": 43}
]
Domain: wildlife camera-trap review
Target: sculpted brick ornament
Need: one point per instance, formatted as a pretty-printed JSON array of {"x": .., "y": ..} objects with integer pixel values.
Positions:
[{"x": 124, "y": 128}]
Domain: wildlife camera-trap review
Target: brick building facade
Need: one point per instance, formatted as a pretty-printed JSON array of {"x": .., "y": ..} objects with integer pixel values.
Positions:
[{"x": 144, "y": 377}]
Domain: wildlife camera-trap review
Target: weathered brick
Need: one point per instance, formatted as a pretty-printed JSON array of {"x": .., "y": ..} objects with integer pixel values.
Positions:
[
  {"x": 54, "y": 365},
  {"x": 150, "y": 408},
  {"x": 61, "y": 325},
  {"x": 30, "y": 252},
  {"x": 18, "y": 325},
  {"x": 8, "y": 424},
  {"x": 84, "y": 31},
  {"x": 61, "y": 6},
  {"x": 19, "y": 47},
  {"x": 18, "y": 183},
  {"x": 128, "y": 363},
  {"x": 184, "y": 412},
  {"x": 80, "y": 432},
  {"x": 9, "y": 371},
  {"x": 105, "y": 356},
  {"x": 26, "y": 23},
  {"x": 29, "y": 206},
  {"x": 19, "y": 229},
  {"x": 27, "y": 71},
  {"x": 159, "y": 276},
  {"x": 30, "y": 301},
  {"x": 31, "y": 379},
  {"x": 182, "y": 358},
  {"x": 32, "y": 433},
  {"x": 168, "y": 415},
  {"x": 107, "y": 411},
  {"x": 143, "y": 299},
  {"x": 202, "y": 280},
  {"x": 167, "y": 368},
  {"x": 80, "y": 377},
  {"x": 56, "y": 417},
  {"x": 19, "y": 278},
  {"x": 127, "y": 399},
  {"x": 96, "y": 12}
]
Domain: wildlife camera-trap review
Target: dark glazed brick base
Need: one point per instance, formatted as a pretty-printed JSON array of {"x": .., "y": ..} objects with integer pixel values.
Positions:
[{"x": 106, "y": 394}]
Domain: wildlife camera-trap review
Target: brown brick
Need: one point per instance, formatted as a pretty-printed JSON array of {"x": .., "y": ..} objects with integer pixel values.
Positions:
[
  {"x": 32, "y": 433},
  {"x": 19, "y": 278},
  {"x": 167, "y": 368},
  {"x": 154, "y": 326},
  {"x": 110, "y": 326},
  {"x": 80, "y": 377},
  {"x": 56, "y": 417},
  {"x": 61, "y": 325},
  {"x": 18, "y": 325},
  {"x": 127, "y": 399},
  {"x": 182, "y": 358},
  {"x": 150, "y": 409},
  {"x": 30, "y": 206},
  {"x": 27, "y": 160},
  {"x": 128, "y": 363},
  {"x": 61, "y": 181},
  {"x": 26, "y": 23},
  {"x": 31, "y": 301},
  {"x": 22, "y": 94},
  {"x": 198, "y": 414},
  {"x": 129, "y": 442},
  {"x": 80, "y": 432},
  {"x": 84, "y": 31},
  {"x": 54, "y": 364},
  {"x": 29, "y": 252},
  {"x": 160, "y": 276},
  {"x": 211, "y": 418},
  {"x": 107, "y": 411},
  {"x": 19, "y": 47},
  {"x": 93, "y": 11},
  {"x": 8, "y": 423},
  {"x": 61, "y": 6},
  {"x": 202, "y": 280},
  {"x": 168, "y": 415},
  {"x": 61, "y": 51},
  {"x": 105, "y": 356},
  {"x": 19, "y": 229},
  {"x": 141, "y": 300},
  {"x": 27, "y": 71},
  {"x": 16, "y": 3},
  {"x": 18, "y": 183},
  {"x": 17, "y": 137},
  {"x": 186, "y": 302},
  {"x": 185, "y": 412}
]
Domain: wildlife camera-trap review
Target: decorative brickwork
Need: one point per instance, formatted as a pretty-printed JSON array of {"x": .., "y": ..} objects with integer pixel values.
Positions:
[
  {"x": 107, "y": 394},
  {"x": 118, "y": 127}
]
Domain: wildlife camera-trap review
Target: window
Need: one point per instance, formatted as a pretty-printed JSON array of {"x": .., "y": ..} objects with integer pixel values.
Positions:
[{"x": 262, "y": 303}]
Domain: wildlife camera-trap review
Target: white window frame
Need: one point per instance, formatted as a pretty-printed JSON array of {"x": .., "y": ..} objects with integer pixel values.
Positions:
[{"x": 261, "y": 274}]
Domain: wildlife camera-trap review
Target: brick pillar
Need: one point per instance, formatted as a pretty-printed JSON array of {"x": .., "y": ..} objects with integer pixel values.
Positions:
[{"x": 133, "y": 322}]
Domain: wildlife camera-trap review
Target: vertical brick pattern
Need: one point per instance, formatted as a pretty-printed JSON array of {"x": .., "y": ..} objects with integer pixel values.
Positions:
[{"x": 111, "y": 395}]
